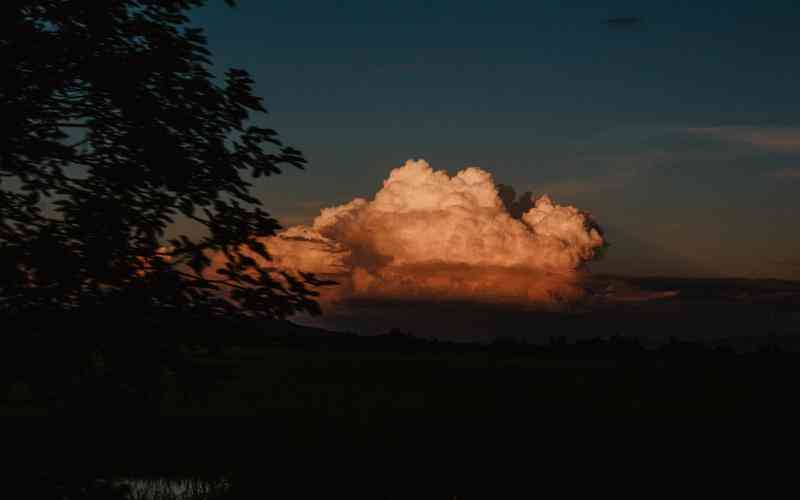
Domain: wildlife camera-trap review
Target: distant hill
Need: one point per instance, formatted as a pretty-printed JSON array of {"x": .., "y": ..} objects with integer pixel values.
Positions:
[{"x": 638, "y": 306}]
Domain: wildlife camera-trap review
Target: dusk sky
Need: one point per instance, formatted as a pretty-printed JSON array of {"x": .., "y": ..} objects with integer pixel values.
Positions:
[
  {"x": 680, "y": 135},
  {"x": 476, "y": 212}
]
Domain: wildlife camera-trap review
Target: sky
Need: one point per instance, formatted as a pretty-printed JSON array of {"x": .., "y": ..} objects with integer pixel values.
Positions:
[{"x": 680, "y": 135}]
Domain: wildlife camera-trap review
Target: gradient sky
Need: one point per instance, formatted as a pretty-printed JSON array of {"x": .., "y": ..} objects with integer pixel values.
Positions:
[{"x": 681, "y": 136}]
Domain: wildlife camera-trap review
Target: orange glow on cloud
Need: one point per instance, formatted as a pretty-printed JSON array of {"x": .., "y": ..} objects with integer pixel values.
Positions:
[{"x": 428, "y": 236}]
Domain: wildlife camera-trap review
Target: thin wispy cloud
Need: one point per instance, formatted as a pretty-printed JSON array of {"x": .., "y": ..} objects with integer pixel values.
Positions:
[
  {"x": 768, "y": 138},
  {"x": 786, "y": 173},
  {"x": 616, "y": 172},
  {"x": 577, "y": 186}
]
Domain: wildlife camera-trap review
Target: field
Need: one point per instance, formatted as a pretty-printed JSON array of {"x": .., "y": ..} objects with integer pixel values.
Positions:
[
  {"x": 410, "y": 378},
  {"x": 320, "y": 395}
]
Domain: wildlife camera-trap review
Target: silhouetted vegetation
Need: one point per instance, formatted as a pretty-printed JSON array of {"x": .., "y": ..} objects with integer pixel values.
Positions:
[
  {"x": 336, "y": 389},
  {"x": 279, "y": 368},
  {"x": 114, "y": 127},
  {"x": 116, "y": 135}
]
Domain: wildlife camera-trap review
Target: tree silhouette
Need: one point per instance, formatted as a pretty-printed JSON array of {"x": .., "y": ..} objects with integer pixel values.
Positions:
[{"x": 113, "y": 128}]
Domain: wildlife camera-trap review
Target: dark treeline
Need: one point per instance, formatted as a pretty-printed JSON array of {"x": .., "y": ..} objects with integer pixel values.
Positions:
[
  {"x": 320, "y": 392},
  {"x": 337, "y": 391},
  {"x": 183, "y": 364}
]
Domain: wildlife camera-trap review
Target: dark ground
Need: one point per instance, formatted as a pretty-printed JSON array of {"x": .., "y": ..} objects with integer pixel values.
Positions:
[
  {"x": 718, "y": 347},
  {"x": 339, "y": 392},
  {"x": 171, "y": 366}
]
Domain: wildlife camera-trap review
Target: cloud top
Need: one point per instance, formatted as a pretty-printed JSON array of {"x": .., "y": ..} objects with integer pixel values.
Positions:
[{"x": 426, "y": 234}]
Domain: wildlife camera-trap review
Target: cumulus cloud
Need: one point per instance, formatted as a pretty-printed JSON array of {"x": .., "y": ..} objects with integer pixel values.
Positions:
[{"x": 429, "y": 236}]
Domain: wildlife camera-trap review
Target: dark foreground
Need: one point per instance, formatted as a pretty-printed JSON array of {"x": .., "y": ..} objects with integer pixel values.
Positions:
[
  {"x": 350, "y": 392},
  {"x": 304, "y": 374}
]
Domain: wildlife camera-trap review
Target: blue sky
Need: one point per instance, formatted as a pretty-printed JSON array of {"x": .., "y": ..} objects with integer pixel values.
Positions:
[{"x": 681, "y": 135}]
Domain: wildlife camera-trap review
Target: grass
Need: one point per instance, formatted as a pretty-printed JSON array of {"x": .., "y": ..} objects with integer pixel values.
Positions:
[
  {"x": 367, "y": 387},
  {"x": 388, "y": 399},
  {"x": 175, "y": 489},
  {"x": 363, "y": 386}
]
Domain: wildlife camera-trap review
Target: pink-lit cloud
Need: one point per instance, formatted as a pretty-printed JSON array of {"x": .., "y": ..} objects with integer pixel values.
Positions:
[{"x": 429, "y": 236}]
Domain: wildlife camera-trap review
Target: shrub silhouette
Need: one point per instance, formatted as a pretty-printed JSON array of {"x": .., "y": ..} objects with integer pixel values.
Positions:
[
  {"x": 113, "y": 127},
  {"x": 114, "y": 130}
]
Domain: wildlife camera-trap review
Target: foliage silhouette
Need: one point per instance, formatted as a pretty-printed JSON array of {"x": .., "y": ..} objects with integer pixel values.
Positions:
[{"x": 113, "y": 127}]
